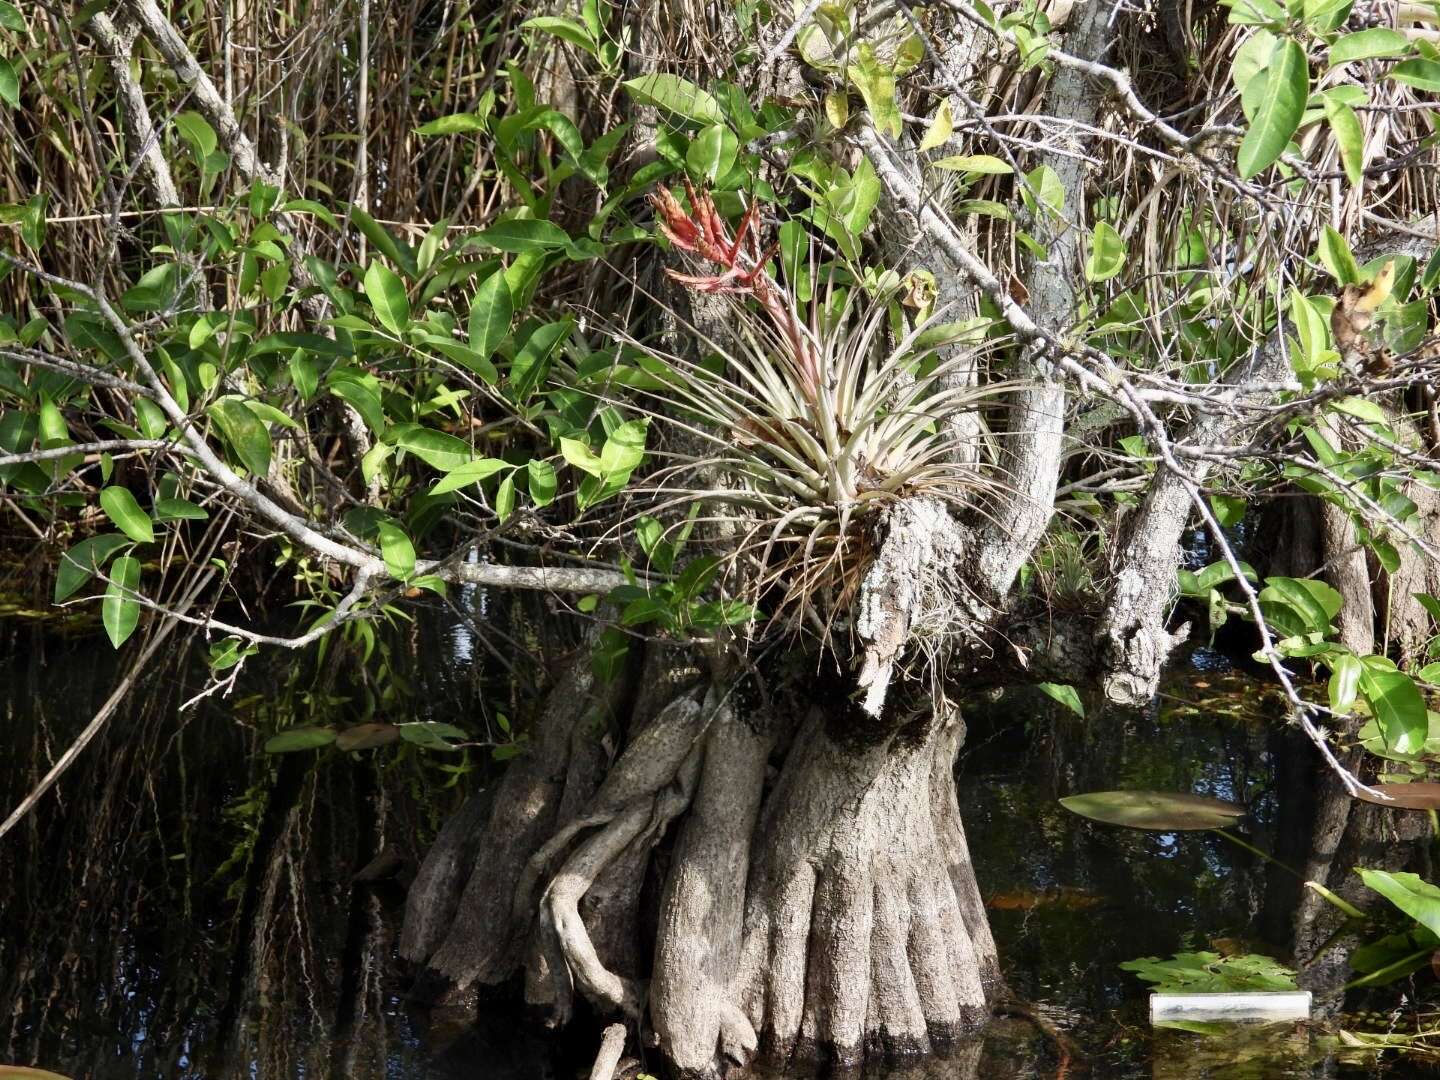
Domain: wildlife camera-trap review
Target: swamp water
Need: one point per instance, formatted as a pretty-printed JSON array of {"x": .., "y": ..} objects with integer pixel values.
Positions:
[{"x": 187, "y": 906}]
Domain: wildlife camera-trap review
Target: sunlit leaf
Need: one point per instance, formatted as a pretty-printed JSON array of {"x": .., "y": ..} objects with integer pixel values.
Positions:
[
  {"x": 1287, "y": 87},
  {"x": 119, "y": 612},
  {"x": 676, "y": 95},
  {"x": 121, "y": 508},
  {"x": 386, "y": 293}
]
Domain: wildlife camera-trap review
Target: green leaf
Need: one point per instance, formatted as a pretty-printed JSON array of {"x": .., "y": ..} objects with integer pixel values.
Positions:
[
  {"x": 1315, "y": 602},
  {"x": 81, "y": 562},
  {"x": 300, "y": 738},
  {"x": 1399, "y": 709},
  {"x": 1211, "y": 973},
  {"x": 1410, "y": 893},
  {"x": 470, "y": 473},
  {"x": 578, "y": 454},
  {"x": 367, "y": 736},
  {"x": 396, "y": 549},
  {"x": 1421, "y": 74},
  {"x": 983, "y": 164},
  {"x": 524, "y": 234},
  {"x": 1287, "y": 88},
  {"x": 196, "y": 131},
  {"x": 1349, "y": 137},
  {"x": 1335, "y": 254},
  {"x": 10, "y": 17},
  {"x": 1163, "y": 811},
  {"x": 542, "y": 481},
  {"x": 1362, "y": 409},
  {"x": 490, "y": 314},
  {"x": 121, "y": 508},
  {"x": 1065, "y": 695},
  {"x": 532, "y": 359},
  {"x": 118, "y": 611},
  {"x": 9, "y": 83},
  {"x": 941, "y": 127},
  {"x": 712, "y": 153},
  {"x": 564, "y": 29},
  {"x": 435, "y": 448},
  {"x": 623, "y": 450},
  {"x": 1107, "y": 253},
  {"x": 676, "y": 95},
  {"x": 386, "y": 293},
  {"x": 455, "y": 124},
  {"x": 505, "y": 498},
  {"x": 179, "y": 510},
  {"x": 1368, "y": 44},
  {"x": 244, "y": 432},
  {"x": 1345, "y": 672},
  {"x": 876, "y": 83}
]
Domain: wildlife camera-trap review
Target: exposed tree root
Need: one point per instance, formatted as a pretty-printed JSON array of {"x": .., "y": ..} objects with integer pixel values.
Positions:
[{"x": 855, "y": 943}]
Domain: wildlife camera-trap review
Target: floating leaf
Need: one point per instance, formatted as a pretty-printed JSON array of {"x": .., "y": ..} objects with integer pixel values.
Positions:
[
  {"x": 1417, "y": 796},
  {"x": 1167, "y": 811},
  {"x": 300, "y": 738},
  {"x": 367, "y": 736}
]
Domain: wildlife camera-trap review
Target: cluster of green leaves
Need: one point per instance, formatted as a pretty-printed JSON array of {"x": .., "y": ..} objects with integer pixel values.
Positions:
[
  {"x": 1211, "y": 973},
  {"x": 1396, "y": 955},
  {"x": 1272, "y": 72}
]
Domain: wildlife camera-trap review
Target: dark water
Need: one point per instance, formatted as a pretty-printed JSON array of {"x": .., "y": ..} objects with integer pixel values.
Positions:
[{"x": 186, "y": 906}]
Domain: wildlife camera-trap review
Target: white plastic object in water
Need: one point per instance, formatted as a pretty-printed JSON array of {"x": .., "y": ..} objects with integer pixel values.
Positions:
[{"x": 1274, "y": 1006}]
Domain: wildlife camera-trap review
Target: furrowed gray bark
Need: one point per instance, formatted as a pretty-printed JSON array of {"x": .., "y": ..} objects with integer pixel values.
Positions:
[{"x": 1032, "y": 447}]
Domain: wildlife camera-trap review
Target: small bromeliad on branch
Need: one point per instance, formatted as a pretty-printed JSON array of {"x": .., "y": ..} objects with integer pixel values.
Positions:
[{"x": 819, "y": 421}]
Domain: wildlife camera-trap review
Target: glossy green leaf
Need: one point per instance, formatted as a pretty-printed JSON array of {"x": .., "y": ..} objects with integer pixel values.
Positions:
[
  {"x": 490, "y": 314},
  {"x": 524, "y": 234},
  {"x": 676, "y": 95},
  {"x": 397, "y": 550},
  {"x": 1336, "y": 255},
  {"x": 1107, "y": 253},
  {"x": 455, "y": 124},
  {"x": 1287, "y": 87},
  {"x": 1166, "y": 811},
  {"x": 712, "y": 153},
  {"x": 118, "y": 611},
  {"x": 1345, "y": 673},
  {"x": 10, "y": 17},
  {"x": 1399, "y": 709},
  {"x": 9, "y": 83},
  {"x": 1421, "y": 74},
  {"x": 386, "y": 293},
  {"x": 542, "y": 481},
  {"x": 244, "y": 432},
  {"x": 1349, "y": 137},
  {"x": 80, "y": 563},
  {"x": 1368, "y": 44},
  {"x": 121, "y": 508},
  {"x": 1065, "y": 695},
  {"x": 505, "y": 497},
  {"x": 470, "y": 473},
  {"x": 435, "y": 448},
  {"x": 1410, "y": 893}
]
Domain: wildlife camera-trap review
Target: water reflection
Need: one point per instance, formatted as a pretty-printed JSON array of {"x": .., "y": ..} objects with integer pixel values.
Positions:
[{"x": 187, "y": 906}]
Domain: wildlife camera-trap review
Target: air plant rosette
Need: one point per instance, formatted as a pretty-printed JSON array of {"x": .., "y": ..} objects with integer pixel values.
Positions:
[{"x": 821, "y": 423}]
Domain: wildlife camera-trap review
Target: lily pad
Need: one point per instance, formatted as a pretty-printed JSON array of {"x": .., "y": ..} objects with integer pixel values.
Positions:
[
  {"x": 1405, "y": 796},
  {"x": 1167, "y": 811},
  {"x": 367, "y": 736}
]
